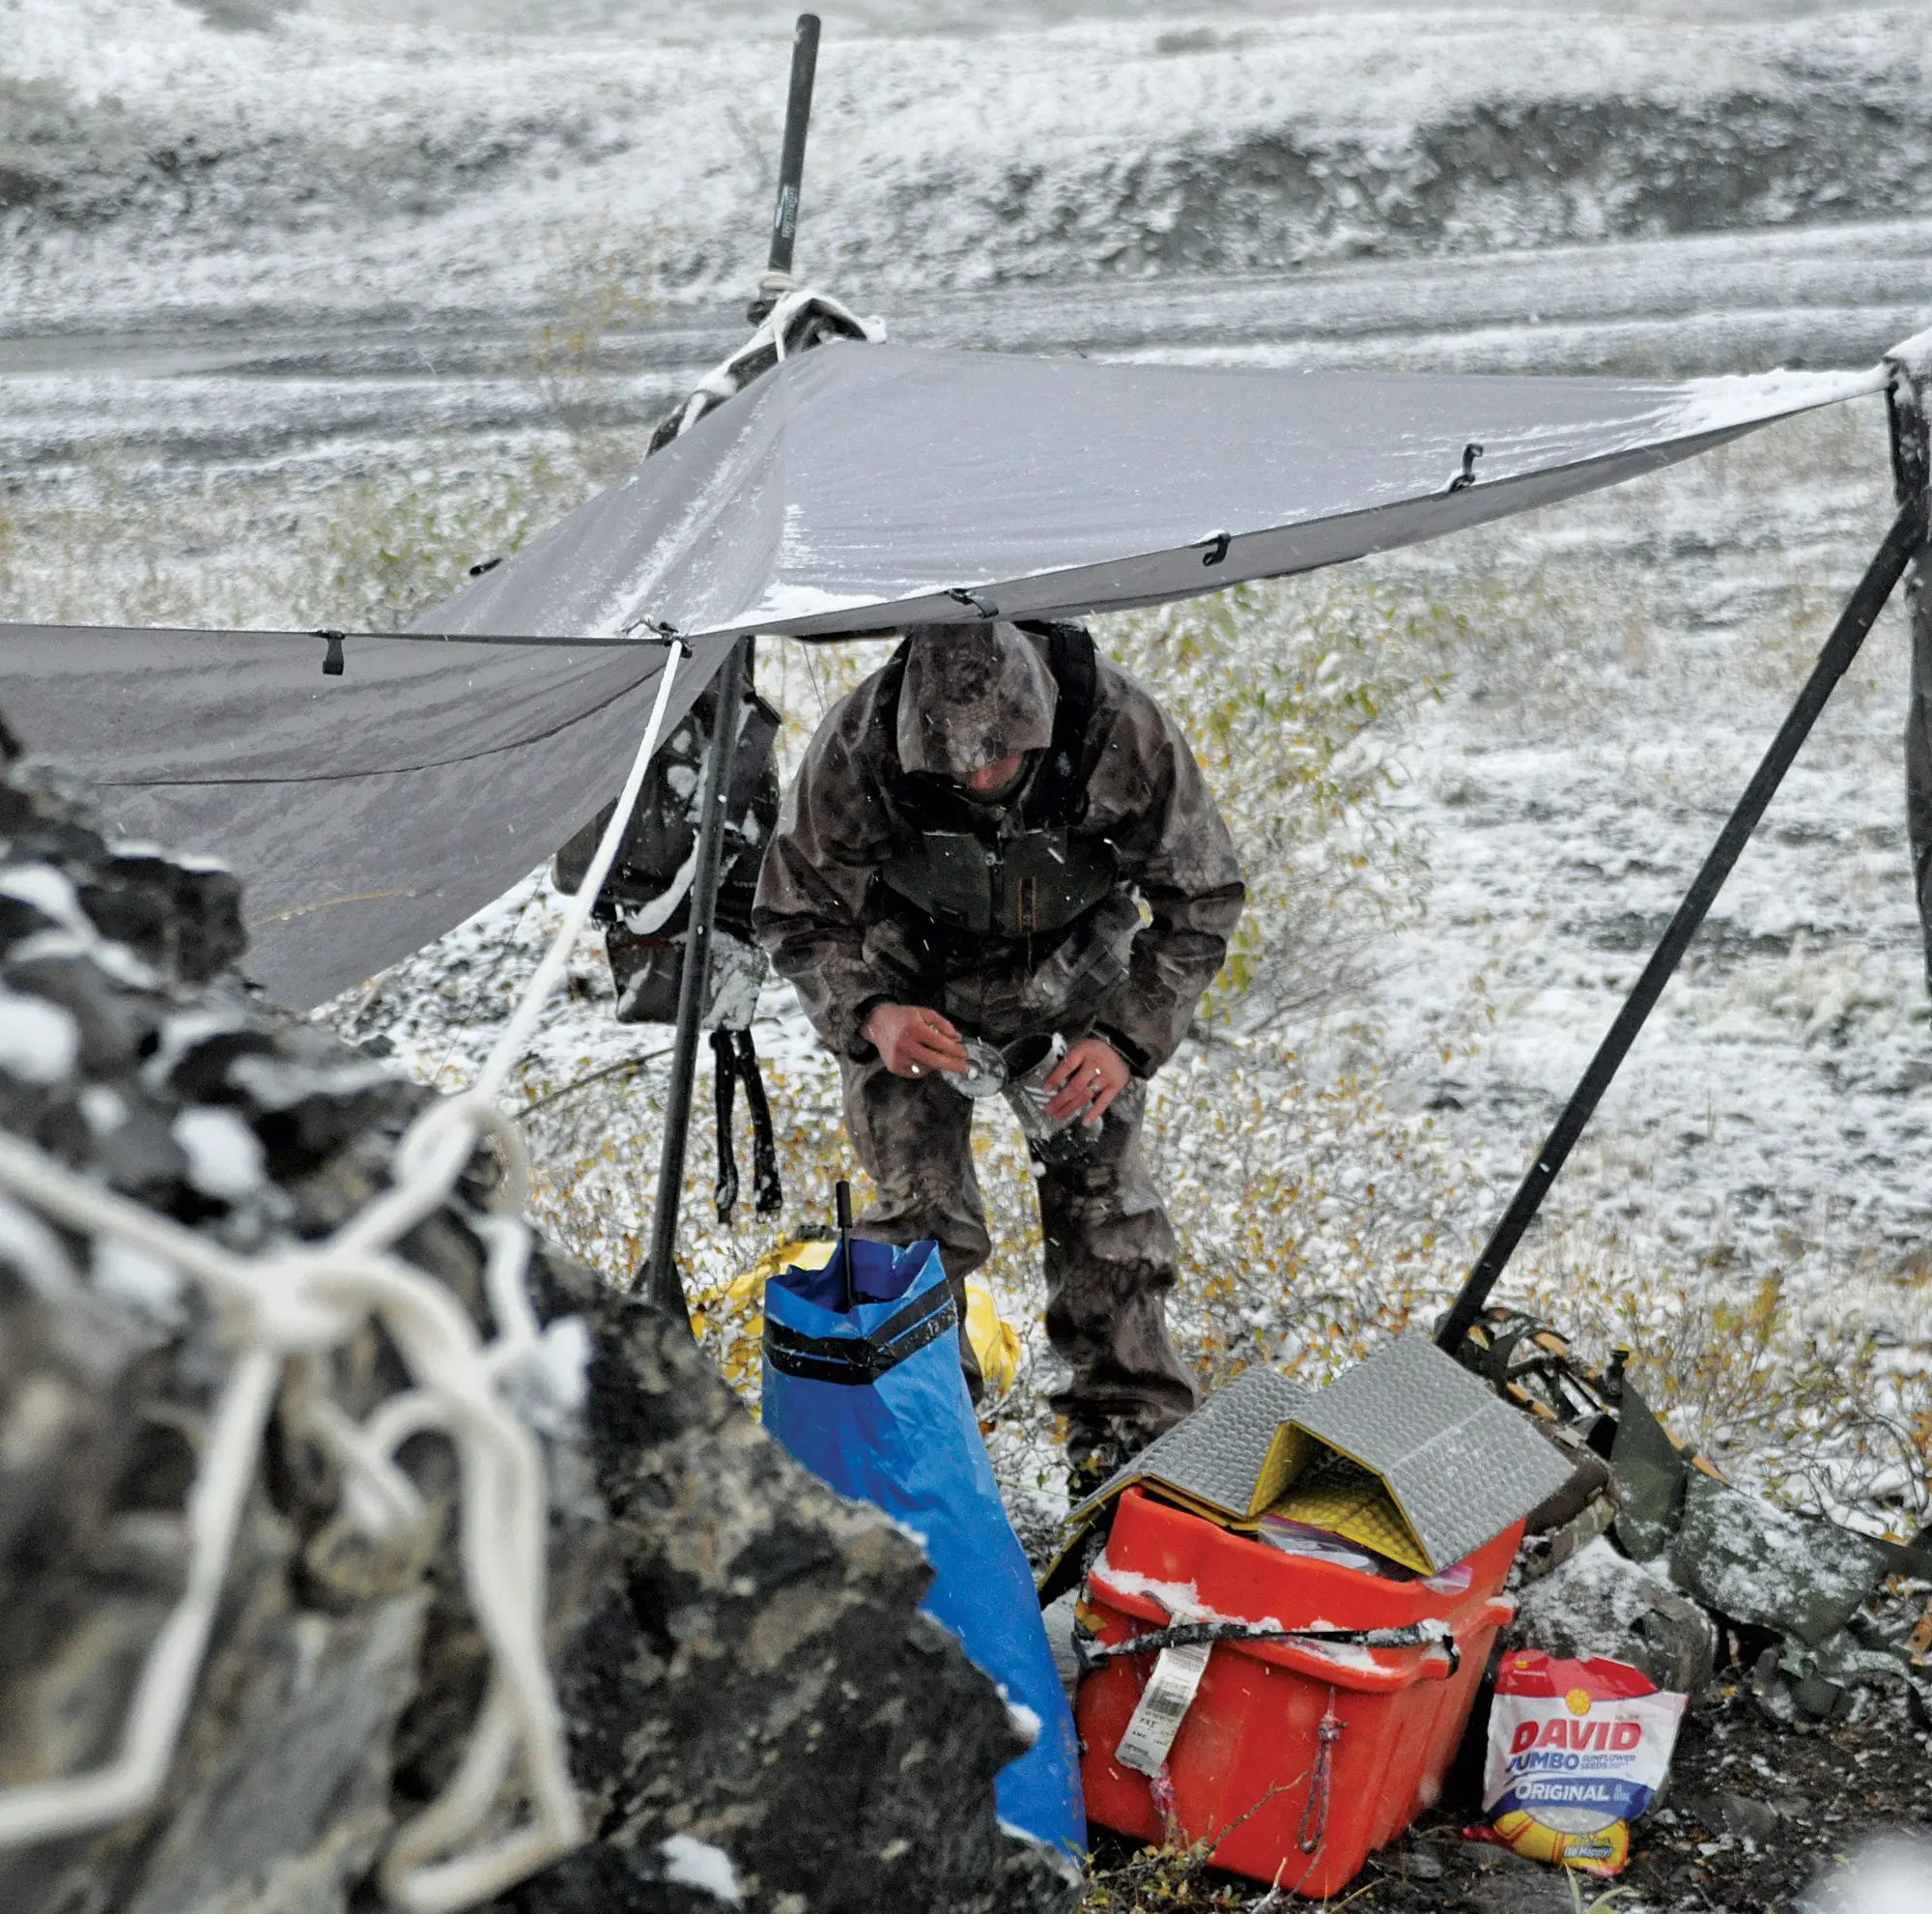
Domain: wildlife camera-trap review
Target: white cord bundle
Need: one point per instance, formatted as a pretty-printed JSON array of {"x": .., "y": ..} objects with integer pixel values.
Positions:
[
  {"x": 282, "y": 1312},
  {"x": 727, "y": 380}
]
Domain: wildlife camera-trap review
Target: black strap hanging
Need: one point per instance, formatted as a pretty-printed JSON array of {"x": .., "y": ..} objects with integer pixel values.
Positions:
[
  {"x": 723, "y": 1088},
  {"x": 767, "y": 1192},
  {"x": 734, "y": 1060}
]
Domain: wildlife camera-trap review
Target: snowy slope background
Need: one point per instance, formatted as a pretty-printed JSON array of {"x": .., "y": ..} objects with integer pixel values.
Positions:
[
  {"x": 272, "y": 327},
  {"x": 153, "y": 162}
]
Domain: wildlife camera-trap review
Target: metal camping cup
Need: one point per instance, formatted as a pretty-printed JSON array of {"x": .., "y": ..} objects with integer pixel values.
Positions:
[
  {"x": 1019, "y": 1073},
  {"x": 985, "y": 1073},
  {"x": 1030, "y": 1062}
]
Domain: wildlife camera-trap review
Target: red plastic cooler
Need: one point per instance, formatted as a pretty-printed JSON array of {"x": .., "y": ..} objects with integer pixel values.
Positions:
[{"x": 1294, "y": 1760}]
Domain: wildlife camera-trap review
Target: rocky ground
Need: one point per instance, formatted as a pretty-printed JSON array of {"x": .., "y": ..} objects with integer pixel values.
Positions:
[
  {"x": 756, "y": 1711},
  {"x": 1755, "y": 1816}
]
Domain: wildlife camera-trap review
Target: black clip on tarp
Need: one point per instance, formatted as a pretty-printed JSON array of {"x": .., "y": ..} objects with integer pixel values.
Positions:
[{"x": 1904, "y": 539}]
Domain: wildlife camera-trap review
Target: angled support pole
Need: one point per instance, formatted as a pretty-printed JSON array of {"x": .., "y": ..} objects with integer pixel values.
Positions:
[
  {"x": 1911, "y": 474},
  {"x": 1903, "y": 543},
  {"x": 662, "y": 1284}
]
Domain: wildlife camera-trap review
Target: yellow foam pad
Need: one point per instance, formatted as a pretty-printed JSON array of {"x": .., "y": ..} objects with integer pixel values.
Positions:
[{"x": 1348, "y": 1501}]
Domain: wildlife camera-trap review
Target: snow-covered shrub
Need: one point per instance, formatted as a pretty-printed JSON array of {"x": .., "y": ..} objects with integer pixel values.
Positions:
[
  {"x": 381, "y": 550},
  {"x": 1288, "y": 694}
]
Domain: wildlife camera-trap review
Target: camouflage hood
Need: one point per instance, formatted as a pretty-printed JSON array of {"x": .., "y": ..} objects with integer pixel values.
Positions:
[{"x": 972, "y": 694}]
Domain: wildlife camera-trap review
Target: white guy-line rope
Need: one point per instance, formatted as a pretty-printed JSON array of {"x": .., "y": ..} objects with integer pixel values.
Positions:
[{"x": 284, "y": 1313}]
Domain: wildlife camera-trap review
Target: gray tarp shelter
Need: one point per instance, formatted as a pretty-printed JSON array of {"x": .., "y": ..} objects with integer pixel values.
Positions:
[{"x": 853, "y": 488}]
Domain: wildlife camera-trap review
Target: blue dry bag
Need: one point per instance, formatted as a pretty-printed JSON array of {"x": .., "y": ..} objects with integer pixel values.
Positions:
[{"x": 874, "y": 1403}]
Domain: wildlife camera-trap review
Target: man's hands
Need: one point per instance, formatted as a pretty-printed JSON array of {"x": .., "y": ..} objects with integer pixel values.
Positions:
[
  {"x": 1087, "y": 1077},
  {"x": 912, "y": 1042}
]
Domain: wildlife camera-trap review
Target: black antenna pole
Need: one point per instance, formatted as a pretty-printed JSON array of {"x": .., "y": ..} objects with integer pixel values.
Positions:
[
  {"x": 1901, "y": 542},
  {"x": 777, "y": 282},
  {"x": 662, "y": 1282}
]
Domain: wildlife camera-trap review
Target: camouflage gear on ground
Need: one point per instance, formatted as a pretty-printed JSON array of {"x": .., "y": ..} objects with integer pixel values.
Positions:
[{"x": 849, "y": 943}]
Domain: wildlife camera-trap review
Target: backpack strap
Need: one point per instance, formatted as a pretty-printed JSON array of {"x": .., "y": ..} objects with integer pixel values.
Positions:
[
  {"x": 892, "y": 682},
  {"x": 1058, "y": 791}
]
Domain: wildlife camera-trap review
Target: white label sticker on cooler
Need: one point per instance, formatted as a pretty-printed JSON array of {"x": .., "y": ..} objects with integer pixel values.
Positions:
[{"x": 1163, "y": 1706}]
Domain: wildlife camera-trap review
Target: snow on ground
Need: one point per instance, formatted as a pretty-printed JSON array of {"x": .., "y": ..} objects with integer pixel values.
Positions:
[
  {"x": 1567, "y": 801},
  {"x": 272, "y": 304},
  {"x": 940, "y": 17},
  {"x": 156, "y": 163}
]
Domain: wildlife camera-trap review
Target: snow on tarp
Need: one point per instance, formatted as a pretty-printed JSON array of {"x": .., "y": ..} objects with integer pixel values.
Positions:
[
  {"x": 857, "y": 487},
  {"x": 367, "y": 812},
  {"x": 851, "y": 489}
]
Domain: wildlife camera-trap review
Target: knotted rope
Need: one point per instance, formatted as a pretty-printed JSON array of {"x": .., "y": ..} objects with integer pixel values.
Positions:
[{"x": 283, "y": 1313}]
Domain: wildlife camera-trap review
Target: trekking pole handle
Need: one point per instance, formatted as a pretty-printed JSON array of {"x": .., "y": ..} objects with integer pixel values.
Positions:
[
  {"x": 791, "y": 159},
  {"x": 841, "y": 1210}
]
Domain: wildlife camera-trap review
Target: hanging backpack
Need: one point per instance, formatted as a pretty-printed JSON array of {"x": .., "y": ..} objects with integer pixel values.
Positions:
[{"x": 645, "y": 909}]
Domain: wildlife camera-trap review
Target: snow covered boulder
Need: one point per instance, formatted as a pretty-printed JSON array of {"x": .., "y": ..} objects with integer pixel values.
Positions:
[
  {"x": 1602, "y": 1603},
  {"x": 753, "y": 1712}
]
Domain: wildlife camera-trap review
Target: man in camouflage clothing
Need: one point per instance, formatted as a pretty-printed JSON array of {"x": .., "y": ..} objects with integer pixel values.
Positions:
[{"x": 969, "y": 848}]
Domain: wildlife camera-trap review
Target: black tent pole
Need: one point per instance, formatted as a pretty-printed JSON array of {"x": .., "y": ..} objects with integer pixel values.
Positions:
[
  {"x": 1901, "y": 542},
  {"x": 791, "y": 166},
  {"x": 662, "y": 1282}
]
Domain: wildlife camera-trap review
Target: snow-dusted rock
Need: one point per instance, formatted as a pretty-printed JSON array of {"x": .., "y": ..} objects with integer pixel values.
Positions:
[
  {"x": 1602, "y": 1603},
  {"x": 758, "y": 1715}
]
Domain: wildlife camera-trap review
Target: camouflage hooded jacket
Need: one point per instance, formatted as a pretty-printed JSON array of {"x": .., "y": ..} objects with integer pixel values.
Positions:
[{"x": 1132, "y": 969}]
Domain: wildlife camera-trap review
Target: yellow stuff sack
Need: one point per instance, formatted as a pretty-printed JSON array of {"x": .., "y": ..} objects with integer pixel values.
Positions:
[{"x": 995, "y": 1341}]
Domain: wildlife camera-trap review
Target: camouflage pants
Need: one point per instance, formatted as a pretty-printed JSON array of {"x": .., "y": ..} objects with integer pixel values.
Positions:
[{"x": 1109, "y": 1251}]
